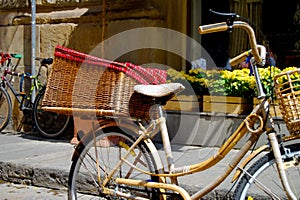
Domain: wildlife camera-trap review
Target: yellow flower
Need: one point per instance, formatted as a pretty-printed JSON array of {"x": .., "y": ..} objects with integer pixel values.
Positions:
[
  {"x": 289, "y": 69},
  {"x": 234, "y": 83}
]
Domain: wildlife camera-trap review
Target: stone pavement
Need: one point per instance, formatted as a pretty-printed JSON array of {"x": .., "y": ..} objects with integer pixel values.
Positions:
[
  {"x": 12, "y": 191},
  {"x": 30, "y": 159}
]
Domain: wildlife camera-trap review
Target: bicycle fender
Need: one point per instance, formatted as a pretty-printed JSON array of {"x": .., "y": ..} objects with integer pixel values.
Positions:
[{"x": 247, "y": 160}]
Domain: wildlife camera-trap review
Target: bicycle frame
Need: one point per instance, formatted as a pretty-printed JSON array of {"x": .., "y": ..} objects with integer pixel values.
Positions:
[
  {"x": 25, "y": 101},
  {"x": 259, "y": 114},
  {"x": 175, "y": 172},
  {"x": 18, "y": 95}
]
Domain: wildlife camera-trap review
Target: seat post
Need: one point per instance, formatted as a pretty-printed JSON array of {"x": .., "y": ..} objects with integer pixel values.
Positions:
[
  {"x": 160, "y": 111},
  {"x": 165, "y": 138}
]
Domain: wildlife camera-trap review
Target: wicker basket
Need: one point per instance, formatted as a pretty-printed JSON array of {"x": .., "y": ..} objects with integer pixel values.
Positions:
[
  {"x": 287, "y": 89},
  {"x": 79, "y": 83}
]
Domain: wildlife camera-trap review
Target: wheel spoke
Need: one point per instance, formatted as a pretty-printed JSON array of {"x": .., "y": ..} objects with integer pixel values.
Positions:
[
  {"x": 262, "y": 179},
  {"x": 99, "y": 158},
  {"x": 49, "y": 124},
  {"x": 263, "y": 187},
  {"x": 5, "y": 108}
]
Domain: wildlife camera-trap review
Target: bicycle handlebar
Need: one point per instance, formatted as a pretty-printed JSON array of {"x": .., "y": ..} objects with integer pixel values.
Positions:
[
  {"x": 231, "y": 15},
  {"x": 44, "y": 63},
  {"x": 223, "y": 26}
]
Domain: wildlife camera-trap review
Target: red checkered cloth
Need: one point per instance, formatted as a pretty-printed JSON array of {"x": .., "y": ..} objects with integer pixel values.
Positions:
[{"x": 142, "y": 75}]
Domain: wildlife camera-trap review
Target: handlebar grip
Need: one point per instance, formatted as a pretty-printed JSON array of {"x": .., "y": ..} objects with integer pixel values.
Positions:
[
  {"x": 15, "y": 55},
  {"x": 262, "y": 53},
  {"x": 236, "y": 60},
  {"x": 211, "y": 28},
  {"x": 47, "y": 61},
  {"x": 218, "y": 27}
]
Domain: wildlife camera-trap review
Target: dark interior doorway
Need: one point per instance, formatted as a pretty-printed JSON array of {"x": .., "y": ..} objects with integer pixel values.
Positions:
[
  {"x": 282, "y": 31},
  {"x": 216, "y": 44}
]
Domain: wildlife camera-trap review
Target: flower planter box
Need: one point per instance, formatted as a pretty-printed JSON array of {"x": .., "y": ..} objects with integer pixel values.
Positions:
[
  {"x": 274, "y": 107},
  {"x": 227, "y": 104},
  {"x": 188, "y": 103}
]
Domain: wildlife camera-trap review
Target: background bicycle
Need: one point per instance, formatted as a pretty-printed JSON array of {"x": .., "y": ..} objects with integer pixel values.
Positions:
[
  {"x": 6, "y": 61},
  {"x": 47, "y": 123}
]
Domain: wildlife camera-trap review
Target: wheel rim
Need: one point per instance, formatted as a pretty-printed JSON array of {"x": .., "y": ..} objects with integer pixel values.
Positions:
[
  {"x": 49, "y": 124},
  {"x": 265, "y": 182},
  {"x": 111, "y": 147},
  {"x": 5, "y": 110}
]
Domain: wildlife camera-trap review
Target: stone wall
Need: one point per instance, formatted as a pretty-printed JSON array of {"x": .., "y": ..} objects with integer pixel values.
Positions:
[{"x": 78, "y": 24}]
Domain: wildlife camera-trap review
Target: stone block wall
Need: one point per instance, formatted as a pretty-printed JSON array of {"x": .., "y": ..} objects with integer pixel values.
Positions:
[{"x": 78, "y": 24}]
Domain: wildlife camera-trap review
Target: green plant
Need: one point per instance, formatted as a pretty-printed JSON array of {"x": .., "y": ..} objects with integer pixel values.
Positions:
[
  {"x": 215, "y": 82},
  {"x": 233, "y": 83},
  {"x": 238, "y": 82},
  {"x": 267, "y": 78}
]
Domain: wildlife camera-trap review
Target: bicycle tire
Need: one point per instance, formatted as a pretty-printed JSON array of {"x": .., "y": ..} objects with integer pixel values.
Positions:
[
  {"x": 264, "y": 172},
  {"x": 111, "y": 144},
  {"x": 48, "y": 124},
  {"x": 5, "y": 108}
]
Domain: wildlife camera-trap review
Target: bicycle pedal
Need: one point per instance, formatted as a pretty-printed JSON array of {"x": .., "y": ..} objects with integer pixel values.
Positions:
[{"x": 23, "y": 95}]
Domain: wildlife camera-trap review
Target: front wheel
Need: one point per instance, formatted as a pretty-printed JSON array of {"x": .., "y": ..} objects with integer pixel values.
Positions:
[
  {"x": 261, "y": 180},
  {"x": 5, "y": 108},
  {"x": 96, "y": 157},
  {"x": 49, "y": 124}
]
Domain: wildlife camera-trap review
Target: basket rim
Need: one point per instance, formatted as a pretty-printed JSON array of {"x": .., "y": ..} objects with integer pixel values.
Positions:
[
  {"x": 285, "y": 73},
  {"x": 143, "y": 75}
]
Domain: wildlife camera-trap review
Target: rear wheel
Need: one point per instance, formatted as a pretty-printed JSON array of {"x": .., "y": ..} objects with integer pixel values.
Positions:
[
  {"x": 95, "y": 158},
  {"x": 262, "y": 180},
  {"x": 49, "y": 124},
  {"x": 5, "y": 108}
]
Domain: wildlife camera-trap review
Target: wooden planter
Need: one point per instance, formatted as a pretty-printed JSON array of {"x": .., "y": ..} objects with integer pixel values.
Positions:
[
  {"x": 274, "y": 107},
  {"x": 188, "y": 103},
  {"x": 227, "y": 104}
]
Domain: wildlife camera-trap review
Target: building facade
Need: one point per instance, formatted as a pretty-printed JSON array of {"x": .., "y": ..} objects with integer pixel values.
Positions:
[{"x": 84, "y": 24}]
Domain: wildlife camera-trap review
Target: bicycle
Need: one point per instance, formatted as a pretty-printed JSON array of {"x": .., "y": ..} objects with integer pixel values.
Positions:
[
  {"x": 119, "y": 160},
  {"x": 6, "y": 61},
  {"x": 47, "y": 123}
]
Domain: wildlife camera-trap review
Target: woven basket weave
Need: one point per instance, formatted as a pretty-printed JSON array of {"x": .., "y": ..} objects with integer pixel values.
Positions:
[
  {"x": 79, "y": 83},
  {"x": 287, "y": 89}
]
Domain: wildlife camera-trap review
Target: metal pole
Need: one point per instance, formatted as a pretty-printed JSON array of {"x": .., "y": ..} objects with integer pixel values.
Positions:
[{"x": 33, "y": 43}]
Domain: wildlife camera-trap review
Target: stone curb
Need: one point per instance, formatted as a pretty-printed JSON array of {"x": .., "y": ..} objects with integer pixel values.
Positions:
[
  {"x": 58, "y": 179},
  {"x": 27, "y": 175},
  {"x": 32, "y": 160}
]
